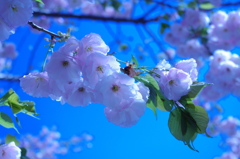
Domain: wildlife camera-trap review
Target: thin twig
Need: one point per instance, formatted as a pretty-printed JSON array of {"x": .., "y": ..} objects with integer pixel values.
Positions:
[
  {"x": 158, "y": 42},
  {"x": 34, "y": 26},
  {"x": 10, "y": 78},
  {"x": 146, "y": 45},
  {"x": 149, "y": 11}
]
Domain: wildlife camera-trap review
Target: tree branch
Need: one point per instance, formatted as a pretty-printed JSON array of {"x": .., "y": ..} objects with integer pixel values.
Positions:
[
  {"x": 92, "y": 17},
  {"x": 34, "y": 26},
  {"x": 4, "y": 77}
]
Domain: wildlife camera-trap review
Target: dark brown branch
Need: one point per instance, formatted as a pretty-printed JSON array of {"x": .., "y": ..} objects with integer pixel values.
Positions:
[
  {"x": 91, "y": 17},
  {"x": 34, "y": 26},
  {"x": 10, "y": 78}
]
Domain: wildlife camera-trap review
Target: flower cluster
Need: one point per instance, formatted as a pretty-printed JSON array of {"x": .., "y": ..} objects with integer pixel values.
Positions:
[
  {"x": 48, "y": 144},
  {"x": 123, "y": 11},
  {"x": 223, "y": 32},
  {"x": 224, "y": 74},
  {"x": 86, "y": 7},
  {"x": 13, "y": 14},
  {"x": 230, "y": 132},
  {"x": 81, "y": 72},
  {"x": 175, "y": 81},
  {"x": 200, "y": 36},
  {"x": 185, "y": 36}
]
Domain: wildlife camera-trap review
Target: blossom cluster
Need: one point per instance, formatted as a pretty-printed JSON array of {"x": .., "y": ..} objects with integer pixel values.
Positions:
[
  {"x": 123, "y": 11},
  {"x": 86, "y": 7},
  {"x": 185, "y": 35},
  {"x": 224, "y": 73},
  {"x": 13, "y": 14},
  {"x": 223, "y": 32},
  {"x": 227, "y": 129},
  {"x": 175, "y": 81},
  {"x": 230, "y": 132},
  {"x": 198, "y": 35},
  {"x": 48, "y": 144},
  {"x": 81, "y": 73}
]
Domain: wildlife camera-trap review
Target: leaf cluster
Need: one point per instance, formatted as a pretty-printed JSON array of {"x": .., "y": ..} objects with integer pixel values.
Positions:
[{"x": 11, "y": 99}]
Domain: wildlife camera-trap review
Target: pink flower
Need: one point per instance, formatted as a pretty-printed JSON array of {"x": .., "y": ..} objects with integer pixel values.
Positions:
[
  {"x": 36, "y": 84},
  {"x": 189, "y": 66},
  {"x": 228, "y": 155},
  {"x": 91, "y": 43},
  {"x": 143, "y": 90},
  {"x": 115, "y": 88},
  {"x": 16, "y": 12},
  {"x": 127, "y": 113},
  {"x": 94, "y": 43},
  {"x": 5, "y": 30},
  {"x": 192, "y": 48},
  {"x": 70, "y": 48},
  {"x": 219, "y": 18},
  {"x": 218, "y": 57},
  {"x": 9, "y": 51},
  {"x": 99, "y": 65},
  {"x": 195, "y": 19},
  {"x": 174, "y": 83},
  {"x": 81, "y": 95},
  {"x": 63, "y": 68},
  {"x": 227, "y": 71},
  {"x": 10, "y": 151}
]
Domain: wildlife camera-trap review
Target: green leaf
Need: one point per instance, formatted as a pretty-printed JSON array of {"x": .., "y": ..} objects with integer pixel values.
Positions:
[
  {"x": 148, "y": 1},
  {"x": 17, "y": 121},
  {"x": 11, "y": 99},
  {"x": 195, "y": 89},
  {"x": 135, "y": 61},
  {"x": 200, "y": 116},
  {"x": 6, "y": 121},
  {"x": 180, "y": 12},
  {"x": 28, "y": 107},
  {"x": 24, "y": 153},
  {"x": 166, "y": 17},
  {"x": 39, "y": 1},
  {"x": 206, "y": 6},
  {"x": 154, "y": 100},
  {"x": 11, "y": 138},
  {"x": 192, "y": 4},
  {"x": 204, "y": 31},
  {"x": 123, "y": 47},
  {"x": 152, "y": 106},
  {"x": 116, "y": 4},
  {"x": 168, "y": 104},
  {"x": 148, "y": 81},
  {"x": 179, "y": 126},
  {"x": 163, "y": 27}
]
